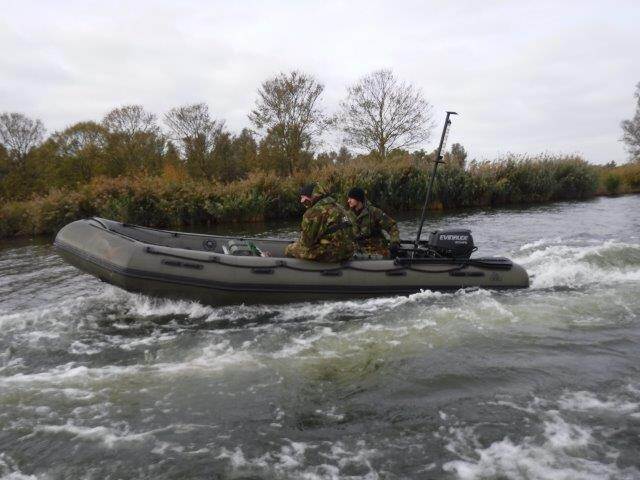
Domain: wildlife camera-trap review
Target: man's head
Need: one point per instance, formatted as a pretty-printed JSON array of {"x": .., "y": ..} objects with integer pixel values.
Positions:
[
  {"x": 306, "y": 193},
  {"x": 311, "y": 192},
  {"x": 356, "y": 198}
]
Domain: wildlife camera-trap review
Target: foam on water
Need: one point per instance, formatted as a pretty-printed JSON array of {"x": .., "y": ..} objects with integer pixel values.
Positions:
[
  {"x": 551, "y": 263},
  {"x": 211, "y": 358},
  {"x": 292, "y": 460},
  {"x": 336, "y": 389},
  {"x": 559, "y": 264},
  {"x": 405, "y": 324},
  {"x": 551, "y": 266},
  {"x": 144, "y": 306},
  {"x": 560, "y": 448},
  {"x": 10, "y": 471},
  {"x": 69, "y": 373},
  {"x": 108, "y": 436},
  {"x": 587, "y": 401}
]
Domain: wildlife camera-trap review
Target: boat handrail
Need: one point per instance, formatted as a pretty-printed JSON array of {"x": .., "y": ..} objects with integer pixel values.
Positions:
[{"x": 279, "y": 263}]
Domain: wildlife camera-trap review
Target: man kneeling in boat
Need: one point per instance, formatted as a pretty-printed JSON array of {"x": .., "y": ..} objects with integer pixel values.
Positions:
[
  {"x": 370, "y": 224},
  {"x": 326, "y": 231}
]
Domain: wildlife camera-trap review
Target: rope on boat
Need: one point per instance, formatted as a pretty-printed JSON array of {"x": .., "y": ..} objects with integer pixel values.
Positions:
[{"x": 284, "y": 264}]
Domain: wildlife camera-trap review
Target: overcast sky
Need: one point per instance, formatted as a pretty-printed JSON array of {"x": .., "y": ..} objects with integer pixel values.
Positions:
[{"x": 526, "y": 77}]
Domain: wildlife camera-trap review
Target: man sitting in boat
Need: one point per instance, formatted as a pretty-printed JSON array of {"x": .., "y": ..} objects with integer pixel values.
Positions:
[
  {"x": 326, "y": 232},
  {"x": 370, "y": 225}
]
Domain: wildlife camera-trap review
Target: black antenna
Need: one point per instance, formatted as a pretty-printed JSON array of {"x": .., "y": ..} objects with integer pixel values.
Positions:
[{"x": 443, "y": 141}]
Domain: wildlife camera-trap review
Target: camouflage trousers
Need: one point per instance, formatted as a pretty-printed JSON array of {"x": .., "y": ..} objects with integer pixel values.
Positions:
[
  {"x": 320, "y": 253},
  {"x": 374, "y": 247}
]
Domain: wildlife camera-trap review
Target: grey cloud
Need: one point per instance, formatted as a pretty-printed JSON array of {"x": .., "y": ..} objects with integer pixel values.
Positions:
[{"x": 549, "y": 76}]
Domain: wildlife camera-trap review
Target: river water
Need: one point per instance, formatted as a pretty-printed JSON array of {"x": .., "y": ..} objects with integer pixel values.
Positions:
[{"x": 540, "y": 383}]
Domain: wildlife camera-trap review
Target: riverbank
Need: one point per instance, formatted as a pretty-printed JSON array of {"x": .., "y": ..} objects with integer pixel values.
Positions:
[{"x": 170, "y": 201}]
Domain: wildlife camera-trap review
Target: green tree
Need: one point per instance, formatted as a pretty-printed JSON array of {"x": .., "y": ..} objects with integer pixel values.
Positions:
[
  {"x": 134, "y": 141},
  {"x": 326, "y": 158},
  {"x": 196, "y": 134},
  {"x": 344, "y": 156},
  {"x": 5, "y": 169},
  {"x": 612, "y": 183},
  {"x": 226, "y": 169},
  {"x": 5, "y": 162},
  {"x": 288, "y": 113},
  {"x": 172, "y": 155},
  {"x": 272, "y": 154},
  {"x": 79, "y": 153},
  {"x": 457, "y": 157},
  {"x": 21, "y": 169},
  {"x": 19, "y": 134},
  {"x": 245, "y": 151}
]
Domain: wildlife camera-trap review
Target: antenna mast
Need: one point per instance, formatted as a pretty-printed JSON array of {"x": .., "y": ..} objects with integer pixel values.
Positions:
[{"x": 438, "y": 160}]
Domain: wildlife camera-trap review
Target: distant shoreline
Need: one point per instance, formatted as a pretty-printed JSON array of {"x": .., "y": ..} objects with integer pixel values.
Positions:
[{"x": 396, "y": 185}]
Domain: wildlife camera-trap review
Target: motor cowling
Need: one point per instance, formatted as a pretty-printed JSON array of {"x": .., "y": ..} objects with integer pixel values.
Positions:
[{"x": 452, "y": 243}]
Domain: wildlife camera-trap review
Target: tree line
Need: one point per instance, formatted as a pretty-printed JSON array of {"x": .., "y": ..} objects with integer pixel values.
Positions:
[
  {"x": 379, "y": 115},
  {"x": 631, "y": 130}
]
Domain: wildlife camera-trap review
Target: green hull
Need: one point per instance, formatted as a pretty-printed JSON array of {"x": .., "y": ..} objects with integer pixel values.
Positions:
[{"x": 199, "y": 267}]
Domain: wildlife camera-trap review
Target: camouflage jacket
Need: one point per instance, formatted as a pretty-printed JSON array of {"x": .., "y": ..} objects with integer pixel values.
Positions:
[
  {"x": 369, "y": 225},
  {"x": 327, "y": 223}
]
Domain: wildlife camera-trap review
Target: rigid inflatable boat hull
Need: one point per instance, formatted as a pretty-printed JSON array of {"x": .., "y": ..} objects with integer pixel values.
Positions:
[{"x": 195, "y": 267}]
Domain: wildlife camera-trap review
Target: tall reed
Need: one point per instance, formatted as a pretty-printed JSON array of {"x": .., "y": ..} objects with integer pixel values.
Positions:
[{"x": 398, "y": 184}]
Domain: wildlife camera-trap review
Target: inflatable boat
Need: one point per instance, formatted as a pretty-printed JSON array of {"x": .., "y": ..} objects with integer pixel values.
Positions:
[{"x": 221, "y": 270}]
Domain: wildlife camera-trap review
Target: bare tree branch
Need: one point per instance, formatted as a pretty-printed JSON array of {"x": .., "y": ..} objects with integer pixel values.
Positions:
[
  {"x": 381, "y": 114},
  {"x": 135, "y": 141},
  {"x": 19, "y": 134},
  {"x": 192, "y": 124},
  {"x": 631, "y": 129},
  {"x": 130, "y": 120},
  {"x": 79, "y": 137},
  {"x": 287, "y": 109}
]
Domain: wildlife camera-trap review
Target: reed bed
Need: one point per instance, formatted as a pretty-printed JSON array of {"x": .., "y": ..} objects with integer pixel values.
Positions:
[{"x": 398, "y": 184}]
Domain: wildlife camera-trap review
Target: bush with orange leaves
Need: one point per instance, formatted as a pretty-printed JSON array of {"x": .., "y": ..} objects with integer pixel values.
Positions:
[{"x": 174, "y": 200}]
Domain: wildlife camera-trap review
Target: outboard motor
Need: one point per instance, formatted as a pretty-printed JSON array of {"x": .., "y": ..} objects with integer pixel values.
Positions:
[{"x": 452, "y": 243}]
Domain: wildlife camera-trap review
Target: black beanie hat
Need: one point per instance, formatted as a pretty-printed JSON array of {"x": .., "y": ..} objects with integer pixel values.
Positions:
[
  {"x": 307, "y": 189},
  {"x": 356, "y": 193}
]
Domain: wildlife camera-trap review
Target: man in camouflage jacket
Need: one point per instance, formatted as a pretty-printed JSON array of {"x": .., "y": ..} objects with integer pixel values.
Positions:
[
  {"x": 326, "y": 231},
  {"x": 370, "y": 222}
]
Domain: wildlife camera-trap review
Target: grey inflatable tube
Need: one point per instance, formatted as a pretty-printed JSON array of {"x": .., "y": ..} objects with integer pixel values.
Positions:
[{"x": 221, "y": 270}]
